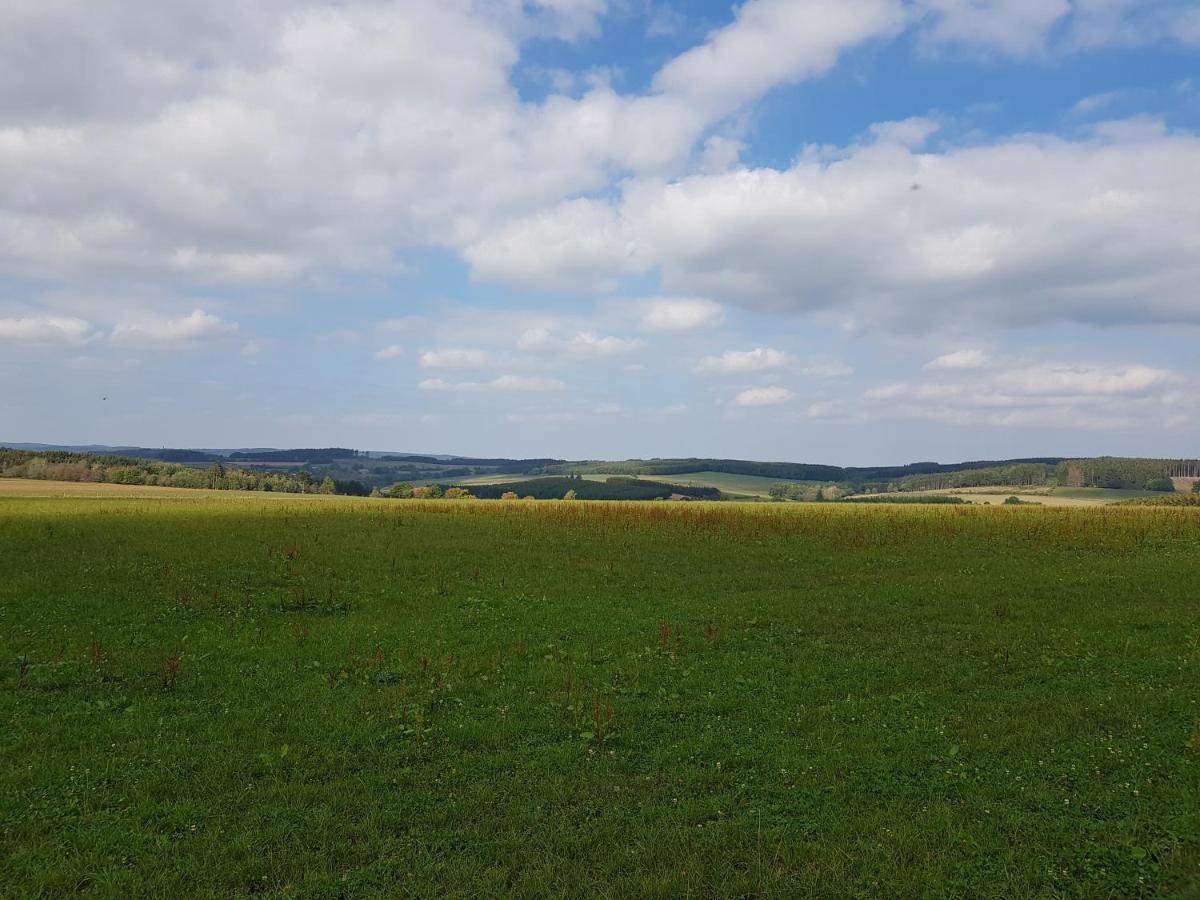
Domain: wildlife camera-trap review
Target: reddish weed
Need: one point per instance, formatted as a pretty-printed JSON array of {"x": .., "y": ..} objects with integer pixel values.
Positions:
[{"x": 168, "y": 672}]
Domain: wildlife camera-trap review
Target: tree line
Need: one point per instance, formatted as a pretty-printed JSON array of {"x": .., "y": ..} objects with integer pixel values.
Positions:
[
  {"x": 61, "y": 465},
  {"x": 1101, "y": 472},
  {"x": 1125, "y": 473},
  {"x": 616, "y": 488},
  {"x": 786, "y": 471}
]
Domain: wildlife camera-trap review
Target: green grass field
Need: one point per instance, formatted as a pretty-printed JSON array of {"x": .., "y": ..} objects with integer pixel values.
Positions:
[
  {"x": 737, "y": 485},
  {"x": 1103, "y": 495},
  {"x": 327, "y": 697},
  {"x": 740, "y": 485}
]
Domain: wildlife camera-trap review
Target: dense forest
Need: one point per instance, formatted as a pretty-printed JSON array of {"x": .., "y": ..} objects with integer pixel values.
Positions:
[
  {"x": 1021, "y": 474},
  {"x": 57, "y": 465},
  {"x": 1116, "y": 472},
  {"x": 1101, "y": 472},
  {"x": 309, "y": 455},
  {"x": 499, "y": 464}
]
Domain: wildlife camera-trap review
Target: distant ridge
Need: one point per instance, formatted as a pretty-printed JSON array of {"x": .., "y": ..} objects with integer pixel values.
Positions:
[{"x": 651, "y": 466}]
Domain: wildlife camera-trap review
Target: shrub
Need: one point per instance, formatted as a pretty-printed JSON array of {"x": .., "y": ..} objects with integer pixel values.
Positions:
[{"x": 1165, "y": 485}]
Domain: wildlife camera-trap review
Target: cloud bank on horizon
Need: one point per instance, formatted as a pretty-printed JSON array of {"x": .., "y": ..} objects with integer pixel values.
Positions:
[{"x": 859, "y": 231}]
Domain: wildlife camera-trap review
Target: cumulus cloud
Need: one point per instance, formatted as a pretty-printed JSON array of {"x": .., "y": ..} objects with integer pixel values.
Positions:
[
  {"x": 679, "y": 314},
  {"x": 183, "y": 139},
  {"x": 1082, "y": 380},
  {"x": 1023, "y": 230},
  {"x": 392, "y": 351},
  {"x": 199, "y": 326},
  {"x": 46, "y": 330},
  {"x": 505, "y": 383},
  {"x": 774, "y": 42},
  {"x": 912, "y": 133},
  {"x": 959, "y": 359},
  {"x": 764, "y": 396},
  {"x": 760, "y": 359}
]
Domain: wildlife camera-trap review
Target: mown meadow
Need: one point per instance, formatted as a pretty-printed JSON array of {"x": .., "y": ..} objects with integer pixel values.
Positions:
[{"x": 330, "y": 697}]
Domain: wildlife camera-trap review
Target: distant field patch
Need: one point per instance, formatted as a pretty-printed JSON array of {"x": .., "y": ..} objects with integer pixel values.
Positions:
[
  {"x": 1046, "y": 496},
  {"x": 739, "y": 485},
  {"x": 1101, "y": 495},
  {"x": 28, "y": 487},
  {"x": 745, "y": 485}
]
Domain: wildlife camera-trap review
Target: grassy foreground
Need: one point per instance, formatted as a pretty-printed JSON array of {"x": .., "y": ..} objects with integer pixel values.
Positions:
[{"x": 330, "y": 697}]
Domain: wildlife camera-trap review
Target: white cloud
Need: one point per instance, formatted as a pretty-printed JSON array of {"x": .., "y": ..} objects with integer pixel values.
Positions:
[
  {"x": 572, "y": 18},
  {"x": 1082, "y": 380},
  {"x": 764, "y": 396},
  {"x": 679, "y": 314},
  {"x": 1046, "y": 396},
  {"x": 1018, "y": 27},
  {"x": 665, "y": 21},
  {"x": 1025, "y": 230},
  {"x": 1035, "y": 27},
  {"x": 1132, "y": 22},
  {"x": 454, "y": 358},
  {"x": 1095, "y": 102},
  {"x": 914, "y": 392},
  {"x": 826, "y": 370},
  {"x": 505, "y": 383},
  {"x": 760, "y": 359},
  {"x": 392, "y": 351},
  {"x": 46, "y": 330},
  {"x": 774, "y": 42},
  {"x": 960, "y": 359},
  {"x": 583, "y": 345},
  {"x": 181, "y": 141},
  {"x": 576, "y": 245},
  {"x": 912, "y": 133},
  {"x": 199, "y": 326}
]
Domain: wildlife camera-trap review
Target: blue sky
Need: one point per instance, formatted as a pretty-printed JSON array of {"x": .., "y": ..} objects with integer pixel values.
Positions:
[{"x": 850, "y": 231}]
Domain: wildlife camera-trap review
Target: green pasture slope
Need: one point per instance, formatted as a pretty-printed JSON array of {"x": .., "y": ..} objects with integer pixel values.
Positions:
[
  {"x": 734, "y": 485},
  {"x": 352, "y": 698}
]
